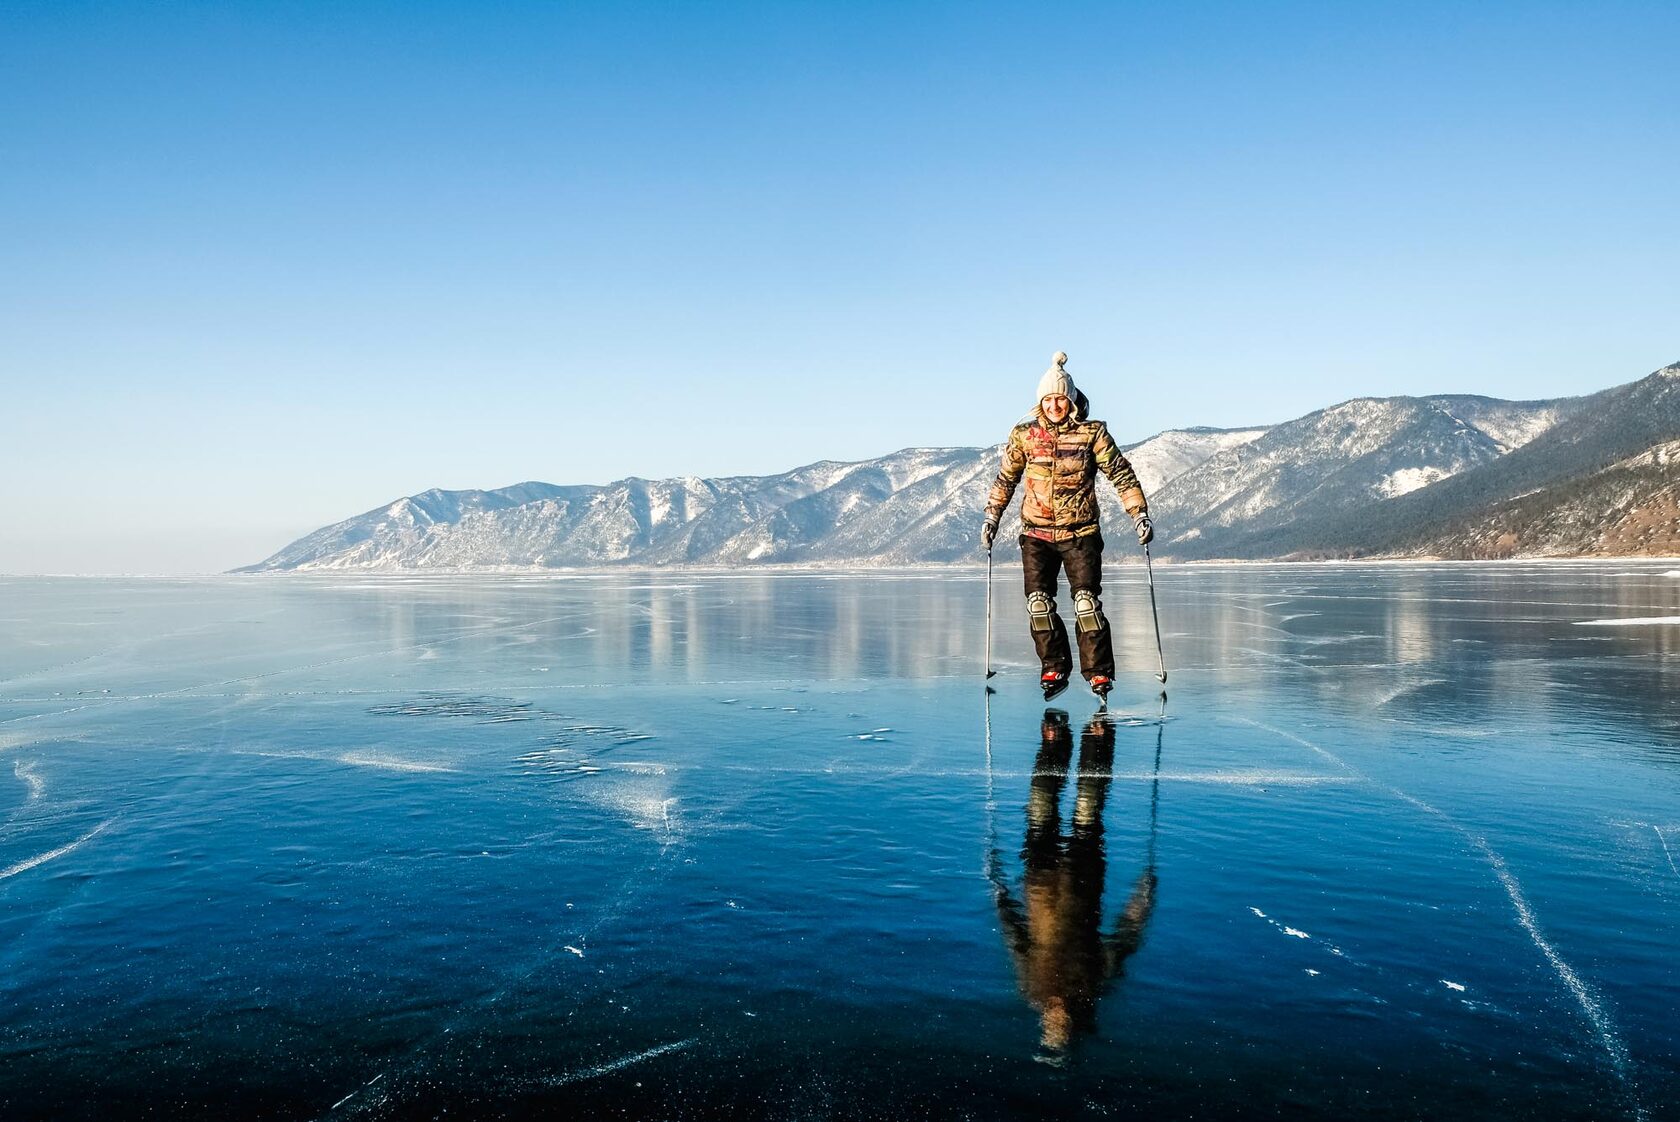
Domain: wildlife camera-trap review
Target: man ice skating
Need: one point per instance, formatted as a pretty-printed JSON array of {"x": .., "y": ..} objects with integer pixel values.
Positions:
[{"x": 1060, "y": 452}]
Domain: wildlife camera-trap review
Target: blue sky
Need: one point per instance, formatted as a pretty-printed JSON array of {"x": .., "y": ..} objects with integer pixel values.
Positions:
[{"x": 264, "y": 266}]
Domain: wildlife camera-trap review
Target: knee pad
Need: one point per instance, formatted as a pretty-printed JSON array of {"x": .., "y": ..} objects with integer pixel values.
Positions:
[
  {"x": 1040, "y": 610},
  {"x": 1088, "y": 610}
]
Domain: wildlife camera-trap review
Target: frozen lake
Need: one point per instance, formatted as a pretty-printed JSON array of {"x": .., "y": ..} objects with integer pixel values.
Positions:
[{"x": 1404, "y": 845}]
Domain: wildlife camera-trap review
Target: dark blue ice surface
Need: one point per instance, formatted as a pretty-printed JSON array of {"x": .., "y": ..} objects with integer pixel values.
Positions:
[{"x": 1403, "y": 845}]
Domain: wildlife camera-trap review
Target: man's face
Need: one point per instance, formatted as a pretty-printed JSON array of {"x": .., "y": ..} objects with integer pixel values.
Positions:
[{"x": 1055, "y": 408}]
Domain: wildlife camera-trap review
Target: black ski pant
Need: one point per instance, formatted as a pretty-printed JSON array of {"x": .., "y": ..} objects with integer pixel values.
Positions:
[{"x": 1041, "y": 561}]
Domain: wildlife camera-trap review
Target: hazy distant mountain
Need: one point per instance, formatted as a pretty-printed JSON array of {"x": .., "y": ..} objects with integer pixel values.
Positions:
[
  {"x": 1446, "y": 475},
  {"x": 916, "y": 505}
]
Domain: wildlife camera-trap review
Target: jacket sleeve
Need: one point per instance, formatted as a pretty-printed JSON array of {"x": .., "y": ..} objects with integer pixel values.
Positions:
[
  {"x": 1112, "y": 463},
  {"x": 1003, "y": 487},
  {"x": 1129, "y": 924}
]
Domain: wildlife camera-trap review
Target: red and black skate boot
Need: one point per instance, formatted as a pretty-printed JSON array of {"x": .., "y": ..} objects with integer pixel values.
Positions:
[
  {"x": 1053, "y": 683},
  {"x": 1100, "y": 685}
]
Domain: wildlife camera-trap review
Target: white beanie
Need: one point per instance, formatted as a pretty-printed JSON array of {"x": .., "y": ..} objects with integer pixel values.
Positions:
[{"x": 1056, "y": 379}]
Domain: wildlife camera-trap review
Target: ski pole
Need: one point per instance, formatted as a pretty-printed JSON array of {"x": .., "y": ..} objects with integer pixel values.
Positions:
[
  {"x": 989, "y": 671},
  {"x": 1155, "y": 614},
  {"x": 990, "y": 858},
  {"x": 1155, "y": 784}
]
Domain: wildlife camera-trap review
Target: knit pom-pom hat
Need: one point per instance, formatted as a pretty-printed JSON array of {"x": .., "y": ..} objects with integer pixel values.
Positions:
[{"x": 1056, "y": 379}]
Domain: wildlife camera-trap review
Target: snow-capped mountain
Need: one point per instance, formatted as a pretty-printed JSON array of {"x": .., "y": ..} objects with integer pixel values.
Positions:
[
  {"x": 1567, "y": 491},
  {"x": 1344, "y": 458},
  {"x": 1631, "y": 508},
  {"x": 1450, "y": 475},
  {"x": 916, "y": 505},
  {"x": 1168, "y": 455}
]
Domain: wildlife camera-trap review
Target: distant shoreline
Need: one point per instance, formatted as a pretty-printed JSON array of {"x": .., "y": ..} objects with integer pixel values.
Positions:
[{"x": 929, "y": 569}]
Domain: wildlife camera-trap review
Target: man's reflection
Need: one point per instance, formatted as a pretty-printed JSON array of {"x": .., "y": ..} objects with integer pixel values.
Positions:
[{"x": 1064, "y": 959}]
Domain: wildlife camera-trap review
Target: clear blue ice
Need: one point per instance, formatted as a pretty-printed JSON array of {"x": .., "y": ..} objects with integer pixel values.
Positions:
[{"x": 1402, "y": 845}]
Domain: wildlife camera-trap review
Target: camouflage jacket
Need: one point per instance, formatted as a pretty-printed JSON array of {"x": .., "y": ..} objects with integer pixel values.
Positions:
[{"x": 1060, "y": 463}]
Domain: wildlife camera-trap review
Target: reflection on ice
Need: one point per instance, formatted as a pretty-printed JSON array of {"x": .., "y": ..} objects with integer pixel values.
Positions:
[{"x": 1065, "y": 955}]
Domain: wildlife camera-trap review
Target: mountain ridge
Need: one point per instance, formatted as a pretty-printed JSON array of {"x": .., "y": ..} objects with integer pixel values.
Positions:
[{"x": 1366, "y": 477}]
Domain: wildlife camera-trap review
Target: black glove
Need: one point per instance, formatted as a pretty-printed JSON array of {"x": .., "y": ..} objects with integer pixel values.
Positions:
[
  {"x": 988, "y": 532},
  {"x": 1145, "y": 529}
]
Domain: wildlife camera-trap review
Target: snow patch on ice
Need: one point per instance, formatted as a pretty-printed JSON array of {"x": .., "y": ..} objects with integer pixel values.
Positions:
[
  {"x": 53, "y": 854},
  {"x": 1292, "y": 932},
  {"x": 26, "y": 772},
  {"x": 385, "y": 762},
  {"x": 1237, "y": 778},
  {"x": 358, "y": 1091},
  {"x": 1666, "y": 852},
  {"x": 619, "y": 1064},
  {"x": 1400, "y": 691},
  {"x": 643, "y": 808},
  {"x": 1628, "y": 621}
]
